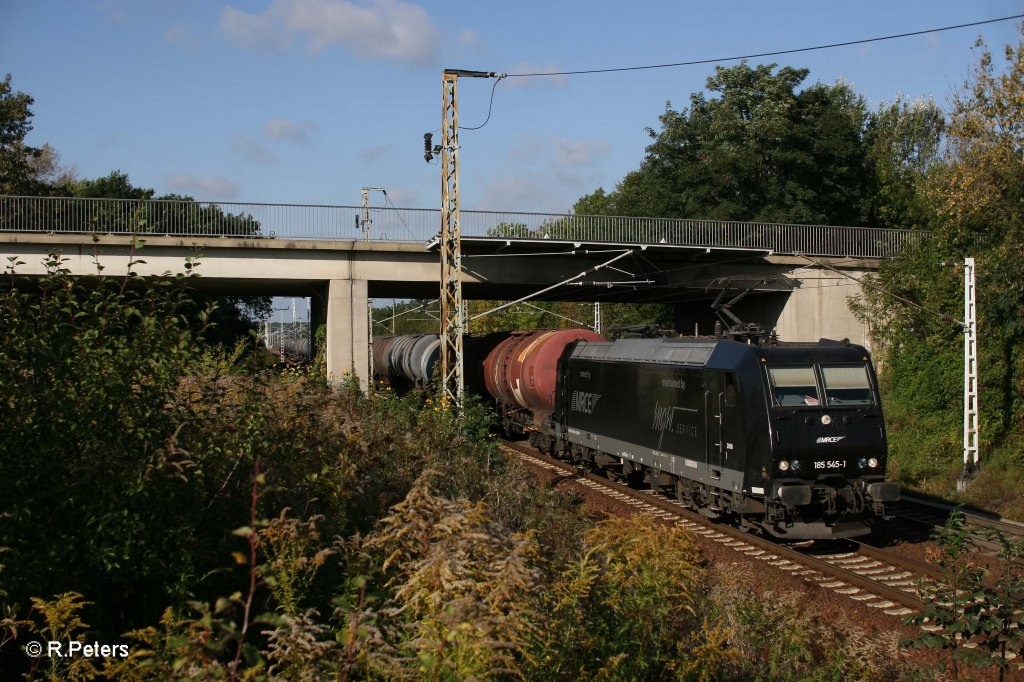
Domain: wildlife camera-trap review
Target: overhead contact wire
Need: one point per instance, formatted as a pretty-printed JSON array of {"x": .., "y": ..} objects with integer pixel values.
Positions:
[{"x": 774, "y": 53}]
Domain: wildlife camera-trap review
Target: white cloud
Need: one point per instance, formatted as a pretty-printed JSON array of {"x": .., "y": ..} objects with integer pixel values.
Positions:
[
  {"x": 559, "y": 151},
  {"x": 578, "y": 152},
  {"x": 381, "y": 29},
  {"x": 529, "y": 148},
  {"x": 402, "y": 198},
  {"x": 469, "y": 38},
  {"x": 182, "y": 37},
  {"x": 117, "y": 11},
  {"x": 376, "y": 152},
  {"x": 514, "y": 192},
  {"x": 203, "y": 188},
  {"x": 538, "y": 82},
  {"x": 550, "y": 174},
  {"x": 250, "y": 150},
  {"x": 283, "y": 129}
]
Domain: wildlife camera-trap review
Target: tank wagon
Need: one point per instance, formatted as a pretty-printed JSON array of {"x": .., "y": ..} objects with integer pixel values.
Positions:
[
  {"x": 406, "y": 361},
  {"x": 410, "y": 361},
  {"x": 520, "y": 374}
]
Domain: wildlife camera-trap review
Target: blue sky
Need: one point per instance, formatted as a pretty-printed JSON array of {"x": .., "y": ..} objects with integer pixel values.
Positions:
[{"x": 307, "y": 101}]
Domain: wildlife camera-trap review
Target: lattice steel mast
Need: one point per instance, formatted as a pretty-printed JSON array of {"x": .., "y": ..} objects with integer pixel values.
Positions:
[
  {"x": 970, "y": 372},
  {"x": 452, "y": 313}
]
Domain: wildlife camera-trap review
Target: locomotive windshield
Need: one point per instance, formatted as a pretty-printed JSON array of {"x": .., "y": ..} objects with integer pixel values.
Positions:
[
  {"x": 847, "y": 384},
  {"x": 794, "y": 386},
  {"x": 797, "y": 385}
]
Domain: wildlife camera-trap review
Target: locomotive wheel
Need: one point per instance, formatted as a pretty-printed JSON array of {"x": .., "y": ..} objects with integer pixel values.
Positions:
[{"x": 683, "y": 494}]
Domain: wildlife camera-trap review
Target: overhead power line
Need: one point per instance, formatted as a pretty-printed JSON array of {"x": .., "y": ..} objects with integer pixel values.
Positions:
[
  {"x": 490, "y": 106},
  {"x": 769, "y": 54}
]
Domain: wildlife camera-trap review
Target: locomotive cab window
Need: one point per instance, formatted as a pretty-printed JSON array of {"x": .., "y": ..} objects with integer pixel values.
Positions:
[
  {"x": 847, "y": 385},
  {"x": 794, "y": 386}
]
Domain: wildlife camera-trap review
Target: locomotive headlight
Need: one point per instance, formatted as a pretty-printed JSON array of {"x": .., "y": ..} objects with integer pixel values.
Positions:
[
  {"x": 783, "y": 465},
  {"x": 862, "y": 463},
  {"x": 826, "y": 420},
  {"x": 795, "y": 465},
  {"x": 873, "y": 462}
]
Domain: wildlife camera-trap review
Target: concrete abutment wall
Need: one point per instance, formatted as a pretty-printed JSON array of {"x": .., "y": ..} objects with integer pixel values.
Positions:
[{"x": 820, "y": 308}]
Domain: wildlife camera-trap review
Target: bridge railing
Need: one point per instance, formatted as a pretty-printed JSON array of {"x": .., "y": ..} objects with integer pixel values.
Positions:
[{"x": 294, "y": 221}]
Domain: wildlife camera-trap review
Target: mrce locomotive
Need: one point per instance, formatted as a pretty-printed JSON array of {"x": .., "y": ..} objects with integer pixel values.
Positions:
[{"x": 784, "y": 438}]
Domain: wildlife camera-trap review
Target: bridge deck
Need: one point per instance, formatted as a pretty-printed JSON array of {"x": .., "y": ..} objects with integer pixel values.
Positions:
[{"x": 322, "y": 222}]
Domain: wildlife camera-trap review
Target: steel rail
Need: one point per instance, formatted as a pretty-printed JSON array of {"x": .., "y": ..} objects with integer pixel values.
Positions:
[
  {"x": 752, "y": 545},
  {"x": 934, "y": 515}
]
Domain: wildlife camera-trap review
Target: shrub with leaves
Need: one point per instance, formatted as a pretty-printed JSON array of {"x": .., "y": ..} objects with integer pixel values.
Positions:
[
  {"x": 88, "y": 451},
  {"x": 775, "y": 634},
  {"x": 978, "y": 617},
  {"x": 626, "y": 608},
  {"x": 459, "y": 589}
]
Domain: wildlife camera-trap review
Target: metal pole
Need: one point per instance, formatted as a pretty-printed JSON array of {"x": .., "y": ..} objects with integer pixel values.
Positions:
[
  {"x": 451, "y": 249},
  {"x": 970, "y": 376},
  {"x": 453, "y": 317},
  {"x": 366, "y": 222},
  {"x": 369, "y": 346},
  {"x": 597, "y": 317}
]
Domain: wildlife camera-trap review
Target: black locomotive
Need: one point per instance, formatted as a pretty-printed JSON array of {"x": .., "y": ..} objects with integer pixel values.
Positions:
[{"x": 786, "y": 438}]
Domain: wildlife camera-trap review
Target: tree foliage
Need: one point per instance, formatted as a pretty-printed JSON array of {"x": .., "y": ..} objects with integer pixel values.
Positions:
[
  {"x": 904, "y": 140},
  {"x": 756, "y": 147},
  {"x": 565, "y": 315},
  {"x": 417, "y": 316},
  {"x": 979, "y": 614},
  {"x": 761, "y": 150},
  {"x": 18, "y": 174},
  {"x": 971, "y": 198}
]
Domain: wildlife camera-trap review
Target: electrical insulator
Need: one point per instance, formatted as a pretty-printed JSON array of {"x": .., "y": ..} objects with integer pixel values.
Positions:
[{"x": 428, "y": 151}]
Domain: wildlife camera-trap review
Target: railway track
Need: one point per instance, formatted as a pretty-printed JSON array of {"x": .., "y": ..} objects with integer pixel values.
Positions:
[
  {"x": 869, "y": 575},
  {"x": 920, "y": 518}
]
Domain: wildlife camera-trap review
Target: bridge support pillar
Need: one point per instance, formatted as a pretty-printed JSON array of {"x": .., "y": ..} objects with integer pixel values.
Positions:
[
  {"x": 820, "y": 308},
  {"x": 344, "y": 316}
]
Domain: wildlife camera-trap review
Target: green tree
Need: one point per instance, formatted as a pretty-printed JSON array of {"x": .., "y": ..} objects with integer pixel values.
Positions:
[
  {"x": 113, "y": 186},
  {"x": 566, "y": 315},
  {"x": 760, "y": 150},
  {"x": 18, "y": 174},
  {"x": 418, "y": 316},
  {"x": 233, "y": 317},
  {"x": 597, "y": 202},
  {"x": 89, "y": 370},
  {"x": 904, "y": 141},
  {"x": 980, "y": 202}
]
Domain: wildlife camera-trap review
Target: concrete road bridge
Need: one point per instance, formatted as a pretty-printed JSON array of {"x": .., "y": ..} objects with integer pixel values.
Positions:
[{"x": 795, "y": 278}]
